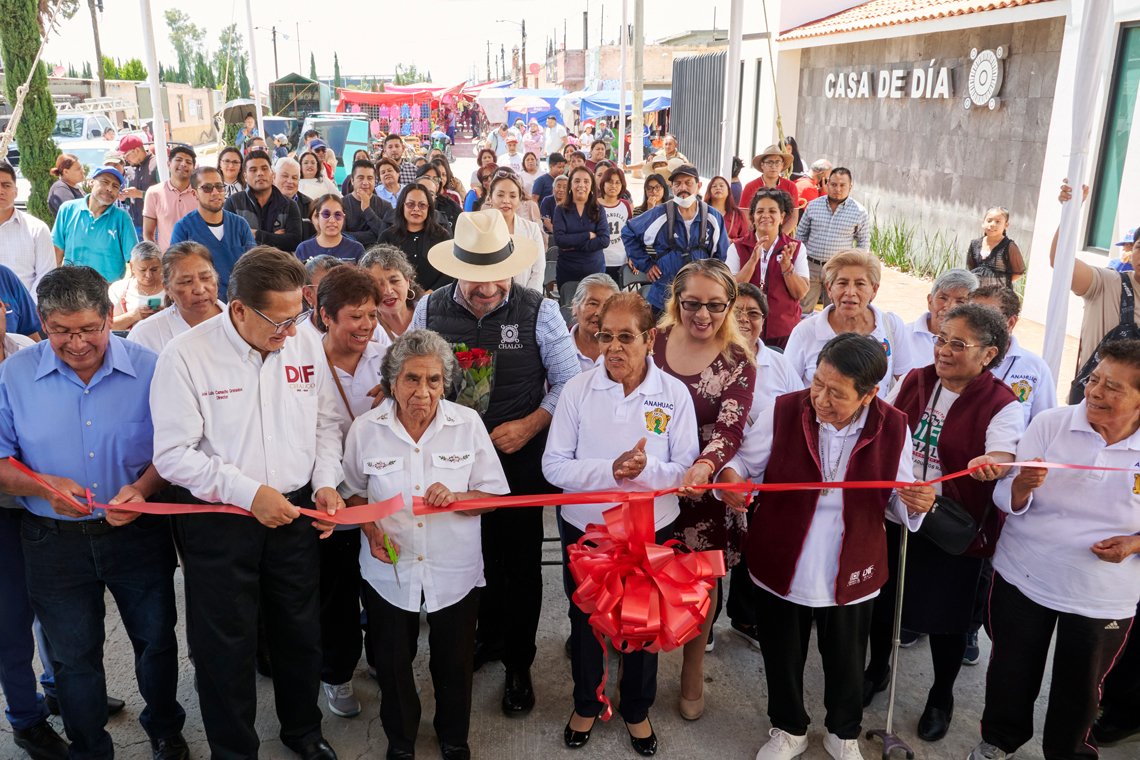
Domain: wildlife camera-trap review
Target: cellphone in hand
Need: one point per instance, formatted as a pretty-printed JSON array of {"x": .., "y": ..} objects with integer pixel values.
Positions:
[{"x": 155, "y": 303}]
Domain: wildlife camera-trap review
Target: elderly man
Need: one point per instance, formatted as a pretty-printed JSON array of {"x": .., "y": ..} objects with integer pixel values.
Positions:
[
  {"x": 141, "y": 175},
  {"x": 680, "y": 230},
  {"x": 287, "y": 179},
  {"x": 593, "y": 291},
  {"x": 829, "y": 226},
  {"x": 672, "y": 149},
  {"x": 811, "y": 185},
  {"x": 243, "y": 417},
  {"x": 274, "y": 219},
  {"x": 556, "y": 139},
  {"x": 93, "y": 232},
  {"x": 74, "y": 410},
  {"x": 950, "y": 289},
  {"x": 25, "y": 241},
  {"x": 225, "y": 234},
  {"x": 772, "y": 164},
  {"x": 532, "y": 348},
  {"x": 168, "y": 202},
  {"x": 498, "y": 139}
]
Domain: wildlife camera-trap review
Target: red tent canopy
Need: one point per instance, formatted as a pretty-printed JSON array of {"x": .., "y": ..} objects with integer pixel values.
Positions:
[{"x": 395, "y": 94}]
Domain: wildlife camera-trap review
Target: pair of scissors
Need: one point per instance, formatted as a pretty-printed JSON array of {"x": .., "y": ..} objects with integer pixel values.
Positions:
[{"x": 392, "y": 555}]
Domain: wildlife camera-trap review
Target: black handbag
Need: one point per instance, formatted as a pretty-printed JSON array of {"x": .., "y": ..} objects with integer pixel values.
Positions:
[{"x": 948, "y": 525}]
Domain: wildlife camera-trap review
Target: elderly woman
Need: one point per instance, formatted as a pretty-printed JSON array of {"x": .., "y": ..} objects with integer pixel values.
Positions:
[
  {"x": 950, "y": 290},
  {"x": 960, "y": 415},
  {"x": 852, "y": 280},
  {"x": 140, "y": 294},
  {"x": 586, "y": 308},
  {"x": 1063, "y": 563},
  {"x": 772, "y": 261},
  {"x": 417, "y": 444},
  {"x": 822, "y": 554},
  {"x": 558, "y": 196},
  {"x": 625, "y": 425},
  {"x": 399, "y": 291},
  {"x": 346, "y": 313},
  {"x": 316, "y": 268},
  {"x": 699, "y": 343},
  {"x": 192, "y": 285}
]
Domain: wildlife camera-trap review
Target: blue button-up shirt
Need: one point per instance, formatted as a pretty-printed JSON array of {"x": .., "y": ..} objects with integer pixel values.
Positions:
[{"x": 100, "y": 434}]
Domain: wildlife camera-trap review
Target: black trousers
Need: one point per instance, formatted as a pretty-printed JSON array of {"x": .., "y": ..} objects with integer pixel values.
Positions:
[
  {"x": 1121, "y": 696},
  {"x": 741, "y": 604},
  {"x": 841, "y": 633},
  {"x": 1085, "y": 649},
  {"x": 511, "y": 603},
  {"x": 341, "y": 636},
  {"x": 588, "y": 659},
  {"x": 451, "y": 642},
  {"x": 234, "y": 565}
]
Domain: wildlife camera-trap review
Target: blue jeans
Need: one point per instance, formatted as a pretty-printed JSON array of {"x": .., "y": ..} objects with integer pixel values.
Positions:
[
  {"x": 67, "y": 575},
  {"x": 26, "y": 707}
]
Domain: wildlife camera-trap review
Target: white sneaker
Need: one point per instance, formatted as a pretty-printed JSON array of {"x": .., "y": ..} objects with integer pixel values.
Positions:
[
  {"x": 782, "y": 746},
  {"x": 842, "y": 749},
  {"x": 986, "y": 751},
  {"x": 342, "y": 700}
]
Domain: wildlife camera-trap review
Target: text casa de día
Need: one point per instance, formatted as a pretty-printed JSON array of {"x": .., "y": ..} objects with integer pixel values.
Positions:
[{"x": 919, "y": 82}]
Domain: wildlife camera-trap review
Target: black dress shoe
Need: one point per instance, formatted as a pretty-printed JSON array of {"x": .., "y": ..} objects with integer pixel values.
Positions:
[
  {"x": 485, "y": 653},
  {"x": 934, "y": 723},
  {"x": 518, "y": 694},
  {"x": 399, "y": 754},
  {"x": 455, "y": 751},
  {"x": 871, "y": 688},
  {"x": 263, "y": 665},
  {"x": 1108, "y": 734},
  {"x": 577, "y": 739},
  {"x": 173, "y": 748},
  {"x": 646, "y": 747},
  {"x": 568, "y": 651},
  {"x": 41, "y": 742},
  {"x": 113, "y": 705},
  {"x": 316, "y": 750}
]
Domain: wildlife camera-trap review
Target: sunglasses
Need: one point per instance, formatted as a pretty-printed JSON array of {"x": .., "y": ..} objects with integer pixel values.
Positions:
[
  {"x": 415, "y": 206},
  {"x": 624, "y": 338},
  {"x": 714, "y": 307},
  {"x": 338, "y": 215},
  {"x": 216, "y": 187}
]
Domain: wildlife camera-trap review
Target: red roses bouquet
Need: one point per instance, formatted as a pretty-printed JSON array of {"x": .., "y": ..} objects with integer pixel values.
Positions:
[{"x": 476, "y": 377}]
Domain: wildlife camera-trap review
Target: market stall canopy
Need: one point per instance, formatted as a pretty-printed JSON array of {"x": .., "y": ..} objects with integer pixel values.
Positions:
[
  {"x": 494, "y": 103},
  {"x": 573, "y": 99},
  {"x": 394, "y": 94},
  {"x": 235, "y": 111},
  {"x": 607, "y": 103}
]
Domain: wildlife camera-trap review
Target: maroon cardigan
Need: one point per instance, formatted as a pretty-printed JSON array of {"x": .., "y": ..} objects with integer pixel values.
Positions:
[
  {"x": 783, "y": 311},
  {"x": 963, "y": 437},
  {"x": 782, "y": 518}
]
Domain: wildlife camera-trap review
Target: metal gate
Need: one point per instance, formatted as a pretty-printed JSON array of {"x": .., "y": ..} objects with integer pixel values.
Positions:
[{"x": 696, "y": 109}]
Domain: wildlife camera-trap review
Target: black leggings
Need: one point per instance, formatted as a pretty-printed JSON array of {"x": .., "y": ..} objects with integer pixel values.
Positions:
[{"x": 946, "y": 652}]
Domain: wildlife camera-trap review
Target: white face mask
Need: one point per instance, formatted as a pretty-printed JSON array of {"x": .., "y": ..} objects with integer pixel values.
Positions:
[{"x": 685, "y": 202}]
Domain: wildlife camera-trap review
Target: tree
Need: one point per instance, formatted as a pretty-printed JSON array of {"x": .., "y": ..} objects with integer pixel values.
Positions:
[
  {"x": 133, "y": 69},
  {"x": 86, "y": 73},
  {"x": 336, "y": 72},
  {"x": 20, "y": 38},
  {"x": 243, "y": 78},
  {"x": 110, "y": 70},
  {"x": 185, "y": 36},
  {"x": 226, "y": 61},
  {"x": 71, "y": 72},
  {"x": 313, "y": 66},
  {"x": 98, "y": 50},
  {"x": 203, "y": 75}
]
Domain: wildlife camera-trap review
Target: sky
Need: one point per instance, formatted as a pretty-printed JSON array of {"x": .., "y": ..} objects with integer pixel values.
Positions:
[{"x": 445, "y": 37}]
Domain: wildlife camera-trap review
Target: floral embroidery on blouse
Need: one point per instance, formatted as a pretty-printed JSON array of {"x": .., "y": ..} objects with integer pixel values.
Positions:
[{"x": 453, "y": 458}]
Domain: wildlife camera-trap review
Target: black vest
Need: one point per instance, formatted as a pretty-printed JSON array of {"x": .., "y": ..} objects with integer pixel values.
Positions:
[{"x": 509, "y": 333}]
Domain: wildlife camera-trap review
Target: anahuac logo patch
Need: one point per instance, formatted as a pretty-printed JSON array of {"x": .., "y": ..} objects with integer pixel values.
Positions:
[
  {"x": 657, "y": 421},
  {"x": 1022, "y": 389},
  {"x": 1136, "y": 484}
]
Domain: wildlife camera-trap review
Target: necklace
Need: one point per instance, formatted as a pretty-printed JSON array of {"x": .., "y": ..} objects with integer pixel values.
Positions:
[{"x": 834, "y": 471}]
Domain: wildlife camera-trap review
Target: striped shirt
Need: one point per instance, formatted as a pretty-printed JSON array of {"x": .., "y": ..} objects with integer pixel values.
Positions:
[
  {"x": 825, "y": 233},
  {"x": 555, "y": 346}
]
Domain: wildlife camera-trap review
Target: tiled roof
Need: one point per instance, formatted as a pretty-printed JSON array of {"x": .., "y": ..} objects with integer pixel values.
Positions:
[{"x": 879, "y": 13}]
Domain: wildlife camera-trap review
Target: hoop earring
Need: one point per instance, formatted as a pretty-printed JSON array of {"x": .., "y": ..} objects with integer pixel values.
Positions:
[{"x": 411, "y": 294}]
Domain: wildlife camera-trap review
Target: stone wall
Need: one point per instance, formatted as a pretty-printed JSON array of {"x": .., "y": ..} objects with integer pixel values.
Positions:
[{"x": 930, "y": 162}]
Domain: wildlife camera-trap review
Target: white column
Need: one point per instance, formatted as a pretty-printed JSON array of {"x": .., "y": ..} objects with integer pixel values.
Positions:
[
  {"x": 621, "y": 96},
  {"x": 159, "y": 121},
  {"x": 637, "y": 125},
  {"x": 731, "y": 86},
  {"x": 253, "y": 66}
]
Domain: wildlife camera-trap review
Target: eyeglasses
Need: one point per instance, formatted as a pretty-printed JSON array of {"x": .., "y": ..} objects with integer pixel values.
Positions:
[
  {"x": 749, "y": 314},
  {"x": 957, "y": 346},
  {"x": 714, "y": 307},
  {"x": 415, "y": 206},
  {"x": 231, "y": 162},
  {"x": 338, "y": 215},
  {"x": 280, "y": 327},
  {"x": 67, "y": 335},
  {"x": 624, "y": 338},
  {"x": 772, "y": 163},
  {"x": 216, "y": 187},
  {"x": 436, "y": 180},
  {"x": 318, "y": 150}
]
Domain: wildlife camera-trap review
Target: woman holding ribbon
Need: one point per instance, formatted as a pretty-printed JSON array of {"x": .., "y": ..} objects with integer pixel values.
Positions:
[
  {"x": 347, "y": 299},
  {"x": 700, "y": 344},
  {"x": 822, "y": 554},
  {"x": 960, "y": 416},
  {"x": 622, "y": 426},
  {"x": 417, "y": 444}
]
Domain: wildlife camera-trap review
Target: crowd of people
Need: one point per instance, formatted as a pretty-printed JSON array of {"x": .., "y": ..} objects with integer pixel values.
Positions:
[{"x": 240, "y": 342}]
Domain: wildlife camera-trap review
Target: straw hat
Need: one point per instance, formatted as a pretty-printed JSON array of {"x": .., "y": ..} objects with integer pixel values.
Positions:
[
  {"x": 483, "y": 250},
  {"x": 773, "y": 150}
]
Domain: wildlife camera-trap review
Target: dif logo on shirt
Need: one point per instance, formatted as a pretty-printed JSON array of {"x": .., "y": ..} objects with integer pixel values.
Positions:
[{"x": 300, "y": 378}]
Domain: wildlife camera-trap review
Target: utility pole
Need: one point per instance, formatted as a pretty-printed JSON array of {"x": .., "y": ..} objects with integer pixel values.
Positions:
[
  {"x": 488, "y": 60},
  {"x": 158, "y": 122},
  {"x": 602, "y": 27},
  {"x": 503, "y": 58},
  {"x": 637, "y": 128},
  {"x": 731, "y": 86},
  {"x": 276, "y": 72},
  {"x": 585, "y": 30},
  {"x": 98, "y": 49},
  {"x": 621, "y": 84},
  {"x": 299, "y": 65},
  {"x": 253, "y": 67},
  {"x": 525, "y": 84}
]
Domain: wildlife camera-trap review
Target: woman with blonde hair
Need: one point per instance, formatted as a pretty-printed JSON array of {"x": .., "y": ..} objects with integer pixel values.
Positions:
[{"x": 699, "y": 342}]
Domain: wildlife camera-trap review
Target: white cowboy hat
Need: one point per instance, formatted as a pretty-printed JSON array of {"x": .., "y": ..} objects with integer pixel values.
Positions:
[{"x": 483, "y": 250}]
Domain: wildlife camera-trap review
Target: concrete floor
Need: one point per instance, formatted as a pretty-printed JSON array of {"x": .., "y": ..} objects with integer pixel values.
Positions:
[{"x": 734, "y": 726}]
